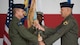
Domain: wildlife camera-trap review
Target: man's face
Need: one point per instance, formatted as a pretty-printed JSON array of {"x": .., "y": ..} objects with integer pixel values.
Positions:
[
  {"x": 64, "y": 11},
  {"x": 20, "y": 13},
  {"x": 39, "y": 17}
]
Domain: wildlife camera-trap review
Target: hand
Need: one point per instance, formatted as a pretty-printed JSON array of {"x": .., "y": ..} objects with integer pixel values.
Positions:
[
  {"x": 40, "y": 37},
  {"x": 41, "y": 43},
  {"x": 37, "y": 25},
  {"x": 40, "y": 27}
]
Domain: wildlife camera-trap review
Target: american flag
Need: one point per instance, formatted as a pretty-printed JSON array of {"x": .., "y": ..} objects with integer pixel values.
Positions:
[{"x": 6, "y": 40}]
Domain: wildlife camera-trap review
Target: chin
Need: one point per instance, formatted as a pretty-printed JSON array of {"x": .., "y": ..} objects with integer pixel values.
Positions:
[{"x": 22, "y": 17}]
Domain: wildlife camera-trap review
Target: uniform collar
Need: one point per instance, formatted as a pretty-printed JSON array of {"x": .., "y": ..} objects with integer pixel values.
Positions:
[
  {"x": 68, "y": 17},
  {"x": 16, "y": 19}
]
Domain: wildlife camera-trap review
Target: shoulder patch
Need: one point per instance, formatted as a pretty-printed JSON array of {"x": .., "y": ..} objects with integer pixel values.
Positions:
[{"x": 65, "y": 23}]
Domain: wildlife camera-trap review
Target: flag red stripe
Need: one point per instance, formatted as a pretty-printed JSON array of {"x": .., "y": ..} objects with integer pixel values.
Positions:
[
  {"x": 2, "y": 24},
  {"x": 7, "y": 35},
  {"x": 4, "y": 43}
]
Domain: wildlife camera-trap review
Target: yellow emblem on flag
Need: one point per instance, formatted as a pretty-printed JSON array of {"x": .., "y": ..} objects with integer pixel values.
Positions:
[
  {"x": 26, "y": 3},
  {"x": 65, "y": 23}
]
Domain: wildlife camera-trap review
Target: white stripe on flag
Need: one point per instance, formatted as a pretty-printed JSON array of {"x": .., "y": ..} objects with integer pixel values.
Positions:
[
  {"x": 1, "y": 41},
  {"x": 6, "y": 29},
  {"x": 6, "y": 40}
]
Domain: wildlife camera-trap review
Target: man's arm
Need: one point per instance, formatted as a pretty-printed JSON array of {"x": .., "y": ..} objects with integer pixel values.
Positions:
[
  {"x": 25, "y": 33},
  {"x": 50, "y": 31},
  {"x": 64, "y": 29}
]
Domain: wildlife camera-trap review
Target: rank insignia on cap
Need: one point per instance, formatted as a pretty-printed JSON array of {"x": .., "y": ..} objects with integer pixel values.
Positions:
[{"x": 65, "y": 22}]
